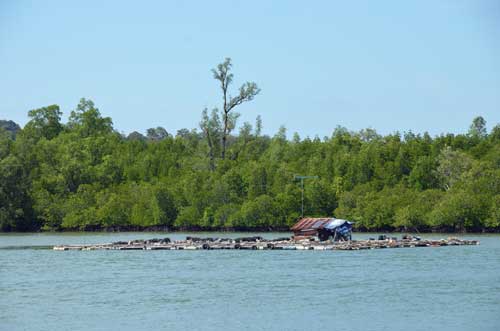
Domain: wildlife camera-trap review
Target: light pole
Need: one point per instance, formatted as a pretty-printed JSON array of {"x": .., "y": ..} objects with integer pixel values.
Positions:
[{"x": 302, "y": 186}]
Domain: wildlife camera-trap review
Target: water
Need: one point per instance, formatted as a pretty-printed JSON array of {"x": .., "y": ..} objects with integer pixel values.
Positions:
[{"x": 445, "y": 288}]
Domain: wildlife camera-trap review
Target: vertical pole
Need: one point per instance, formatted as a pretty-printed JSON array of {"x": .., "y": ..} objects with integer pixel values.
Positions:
[
  {"x": 302, "y": 187},
  {"x": 302, "y": 183}
]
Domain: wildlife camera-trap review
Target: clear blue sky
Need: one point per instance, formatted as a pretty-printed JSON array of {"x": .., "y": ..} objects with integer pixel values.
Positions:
[{"x": 390, "y": 65}]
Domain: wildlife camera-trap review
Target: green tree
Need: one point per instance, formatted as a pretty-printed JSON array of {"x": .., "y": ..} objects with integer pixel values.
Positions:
[
  {"x": 83, "y": 175},
  {"x": 11, "y": 128},
  {"x": 452, "y": 166},
  {"x": 423, "y": 174},
  {"x": 459, "y": 211},
  {"x": 45, "y": 122},
  {"x": 86, "y": 119},
  {"x": 478, "y": 128},
  {"x": 493, "y": 220},
  {"x": 212, "y": 130},
  {"x": 157, "y": 134}
]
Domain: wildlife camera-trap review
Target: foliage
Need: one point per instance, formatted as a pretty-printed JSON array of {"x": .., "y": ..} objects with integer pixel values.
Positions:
[
  {"x": 10, "y": 127},
  {"x": 84, "y": 175}
]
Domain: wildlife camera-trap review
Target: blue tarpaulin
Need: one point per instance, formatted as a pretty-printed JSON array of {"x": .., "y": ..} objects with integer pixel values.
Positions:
[
  {"x": 337, "y": 222},
  {"x": 339, "y": 228}
]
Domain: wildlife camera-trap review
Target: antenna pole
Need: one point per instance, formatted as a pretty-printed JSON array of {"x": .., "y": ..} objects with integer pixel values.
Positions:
[
  {"x": 302, "y": 183},
  {"x": 302, "y": 189}
]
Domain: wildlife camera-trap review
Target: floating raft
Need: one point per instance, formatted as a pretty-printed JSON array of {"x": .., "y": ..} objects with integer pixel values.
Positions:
[{"x": 258, "y": 243}]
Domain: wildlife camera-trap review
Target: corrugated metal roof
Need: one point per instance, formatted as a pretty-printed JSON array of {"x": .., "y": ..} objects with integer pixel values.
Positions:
[
  {"x": 314, "y": 224},
  {"x": 306, "y": 224}
]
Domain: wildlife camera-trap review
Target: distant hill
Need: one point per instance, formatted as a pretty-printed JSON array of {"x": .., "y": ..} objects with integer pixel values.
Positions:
[{"x": 10, "y": 126}]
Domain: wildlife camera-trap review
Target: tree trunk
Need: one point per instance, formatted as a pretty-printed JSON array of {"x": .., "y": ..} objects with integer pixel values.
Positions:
[
  {"x": 226, "y": 115},
  {"x": 223, "y": 154}
]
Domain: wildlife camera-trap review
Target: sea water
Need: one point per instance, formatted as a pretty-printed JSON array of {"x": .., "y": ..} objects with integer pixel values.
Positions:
[{"x": 442, "y": 288}]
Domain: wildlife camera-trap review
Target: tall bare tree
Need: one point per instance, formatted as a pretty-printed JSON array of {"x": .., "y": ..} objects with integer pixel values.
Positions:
[{"x": 246, "y": 92}]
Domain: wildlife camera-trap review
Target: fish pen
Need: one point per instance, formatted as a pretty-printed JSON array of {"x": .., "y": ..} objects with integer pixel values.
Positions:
[{"x": 259, "y": 243}]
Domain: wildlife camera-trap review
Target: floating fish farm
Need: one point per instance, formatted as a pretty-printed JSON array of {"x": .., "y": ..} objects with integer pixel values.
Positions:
[{"x": 259, "y": 243}]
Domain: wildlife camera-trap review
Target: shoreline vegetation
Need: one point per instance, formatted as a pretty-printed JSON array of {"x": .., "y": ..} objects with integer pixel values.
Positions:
[
  {"x": 84, "y": 175},
  {"x": 252, "y": 230}
]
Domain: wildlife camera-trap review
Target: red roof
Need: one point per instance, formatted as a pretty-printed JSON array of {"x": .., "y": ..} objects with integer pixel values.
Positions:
[{"x": 310, "y": 224}]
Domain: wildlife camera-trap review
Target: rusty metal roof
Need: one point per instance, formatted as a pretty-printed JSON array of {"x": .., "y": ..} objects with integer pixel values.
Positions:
[{"x": 307, "y": 224}]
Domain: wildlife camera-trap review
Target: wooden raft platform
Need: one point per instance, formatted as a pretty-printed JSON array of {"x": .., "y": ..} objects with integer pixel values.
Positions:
[{"x": 258, "y": 243}]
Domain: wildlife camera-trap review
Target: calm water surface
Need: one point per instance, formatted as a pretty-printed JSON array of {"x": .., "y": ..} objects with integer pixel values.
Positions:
[{"x": 445, "y": 288}]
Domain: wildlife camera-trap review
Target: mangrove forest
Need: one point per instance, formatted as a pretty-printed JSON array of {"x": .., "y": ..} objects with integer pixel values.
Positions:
[{"x": 85, "y": 175}]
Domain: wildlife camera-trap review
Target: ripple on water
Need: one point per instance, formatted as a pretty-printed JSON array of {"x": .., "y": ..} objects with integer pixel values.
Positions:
[{"x": 446, "y": 288}]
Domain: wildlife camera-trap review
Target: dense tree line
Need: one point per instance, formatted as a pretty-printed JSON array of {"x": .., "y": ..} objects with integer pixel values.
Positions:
[{"x": 84, "y": 175}]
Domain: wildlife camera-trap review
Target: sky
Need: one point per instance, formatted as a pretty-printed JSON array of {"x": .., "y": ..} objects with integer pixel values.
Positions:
[{"x": 389, "y": 65}]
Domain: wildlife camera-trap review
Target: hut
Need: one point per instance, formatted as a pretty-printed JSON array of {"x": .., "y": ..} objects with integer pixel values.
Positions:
[{"x": 324, "y": 228}]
